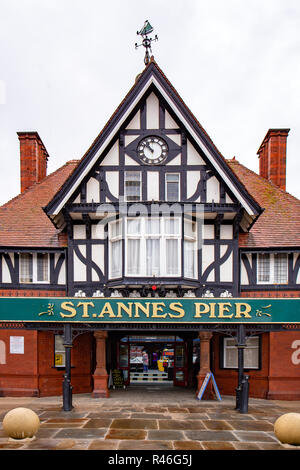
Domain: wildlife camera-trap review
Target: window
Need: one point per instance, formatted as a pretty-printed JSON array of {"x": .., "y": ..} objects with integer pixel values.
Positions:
[
  {"x": 34, "y": 268},
  {"x": 115, "y": 248},
  {"x": 42, "y": 267},
  {"x": 272, "y": 268},
  {"x": 172, "y": 187},
  {"x": 153, "y": 247},
  {"x": 26, "y": 266},
  {"x": 251, "y": 353},
  {"x": 59, "y": 351},
  {"x": 132, "y": 186},
  {"x": 190, "y": 249}
]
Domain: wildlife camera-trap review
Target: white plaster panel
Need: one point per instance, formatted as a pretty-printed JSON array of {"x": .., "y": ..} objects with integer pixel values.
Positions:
[
  {"x": 129, "y": 139},
  {"x": 175, "y": 137},
  {"x": 208, "y": 257},
  {"x": 193, "y": 157},
  {"x": 176, "y": 160},
  {"x": 93, "y": 190},
  {"x": 244, "y": 275},
  {"x": 169, "y": 121},
  {"x": 298, "y": 275},
  {"x": 228, "y": 199},
  {"x": 112, "y": 179},
  {"x": 226, "y": 232},
  {"x": 153, "y": 186},
  {"x": 62, "y": 274},
  {"x": 77, "y": 200},
  {"x": 152, "y": 113},
  {"x": 79, "y": 232},
  {"x": 98, "y": 231},
  {"x": 129, "y": 160},
  {"x": 208, "y": 232},
  {"x": 135, "y": 122},
  {"x": 5, "y": 271},
  {"x": 98, "y": 258},
  {"x": 193, "y": 178},
  {"x": 226, "y": 267},
  {"x": 112, "y": 158},
  {"x": 212, "y": 190},
  {"x": 79, "y": 267}
]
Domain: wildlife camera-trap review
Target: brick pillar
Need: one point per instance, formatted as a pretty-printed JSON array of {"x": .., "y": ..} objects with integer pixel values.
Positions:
[
  {"x": 100, "y": 375},
  {"x": 205, "y": 337}
]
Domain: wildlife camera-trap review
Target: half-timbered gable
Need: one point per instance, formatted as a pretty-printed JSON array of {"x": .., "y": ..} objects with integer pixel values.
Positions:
[{"x": 156, "y": 164}]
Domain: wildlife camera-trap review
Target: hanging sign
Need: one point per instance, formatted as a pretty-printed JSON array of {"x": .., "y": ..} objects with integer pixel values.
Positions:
[
  {"x": 150, "y": 310},
  {"x": 207, "y": 378}
]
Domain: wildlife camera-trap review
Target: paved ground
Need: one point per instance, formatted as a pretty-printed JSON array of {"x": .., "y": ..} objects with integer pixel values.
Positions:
[{"x": 145, "y": 418}]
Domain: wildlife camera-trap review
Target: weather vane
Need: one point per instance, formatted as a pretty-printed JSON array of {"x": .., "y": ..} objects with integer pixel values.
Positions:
[{"x": 146, "y": 29}]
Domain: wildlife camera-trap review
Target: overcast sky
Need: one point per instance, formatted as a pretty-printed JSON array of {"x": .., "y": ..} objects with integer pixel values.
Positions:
[{"x": 65, "y": 65}]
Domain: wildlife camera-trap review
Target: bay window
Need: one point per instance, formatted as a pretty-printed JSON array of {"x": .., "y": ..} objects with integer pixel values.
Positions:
[
  {"x": 115, "y": 248},
  {"x": 190, "y": 249},
  {"x": 153, "y": 247}
]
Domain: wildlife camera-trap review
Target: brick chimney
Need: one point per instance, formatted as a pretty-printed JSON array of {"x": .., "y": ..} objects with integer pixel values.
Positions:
[
  {"x": 272, "y": 157},
  {"x": 33, "y": 159}
]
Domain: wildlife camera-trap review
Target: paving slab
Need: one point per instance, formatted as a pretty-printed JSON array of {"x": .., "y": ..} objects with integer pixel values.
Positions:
[{"x": 165, "y": 420}]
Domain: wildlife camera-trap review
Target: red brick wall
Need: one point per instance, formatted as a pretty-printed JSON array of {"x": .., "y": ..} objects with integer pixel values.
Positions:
[
  {"x": 284, "y": 369},
  {"x": 270, "y": 293},
  {"x": 279, "y": 377},
  {"x": 51, "y": 378},
  {"x": 19, "y": 373},
  {"x": 31, "y": 293},
  {"x": 227, "y": 379},
  {"x": 33, "y": 373}
]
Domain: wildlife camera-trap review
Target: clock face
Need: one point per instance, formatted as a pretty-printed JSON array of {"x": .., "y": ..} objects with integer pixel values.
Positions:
[{"x": 152, "y": 150}]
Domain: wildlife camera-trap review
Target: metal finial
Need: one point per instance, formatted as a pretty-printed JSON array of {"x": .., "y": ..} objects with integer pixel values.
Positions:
[{"x": 146, "y": 29}]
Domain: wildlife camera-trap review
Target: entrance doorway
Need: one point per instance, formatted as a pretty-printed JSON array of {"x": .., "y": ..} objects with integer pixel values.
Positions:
[{"x": 155, "y": 360}]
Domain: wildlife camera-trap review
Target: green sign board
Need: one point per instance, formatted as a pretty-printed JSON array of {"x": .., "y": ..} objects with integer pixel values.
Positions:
[{"x": 149, "y": 310}]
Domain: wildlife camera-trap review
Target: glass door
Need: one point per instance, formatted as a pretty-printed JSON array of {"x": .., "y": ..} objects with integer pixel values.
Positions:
[
  {"x": 180, "y": 361},
  {"x": 123, "y": 361}
]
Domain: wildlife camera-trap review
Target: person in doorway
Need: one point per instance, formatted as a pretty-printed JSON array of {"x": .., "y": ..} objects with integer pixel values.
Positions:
[
  {"x": 154, "y": 360},
  {"x": 145, "y": 361}
]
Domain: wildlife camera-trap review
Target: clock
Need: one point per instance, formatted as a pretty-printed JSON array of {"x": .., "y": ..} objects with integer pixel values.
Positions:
[{"x": 152, "y": 150}]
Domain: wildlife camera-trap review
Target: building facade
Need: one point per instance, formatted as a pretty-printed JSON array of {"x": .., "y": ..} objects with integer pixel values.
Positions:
[{"x": 151, "y": 211}]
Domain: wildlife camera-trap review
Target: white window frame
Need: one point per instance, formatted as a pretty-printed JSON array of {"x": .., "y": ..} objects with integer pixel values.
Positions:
[
  {"x": 162, "y": 236},
  {"x": 190, "y": 237},
  {"x": 126, "y": 173},
  {"x": 114, "y": 238},
  {"x": 272, "y": 269},
  {"x": 166, "y": 186},
  {"x": 232, "y": 347},
  {"x": 34, "y": 261}
]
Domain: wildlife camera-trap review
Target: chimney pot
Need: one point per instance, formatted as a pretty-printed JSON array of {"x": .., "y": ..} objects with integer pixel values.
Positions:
[
  {"x": 33, "y": 159},
  {"x": 272, "y": 157}
]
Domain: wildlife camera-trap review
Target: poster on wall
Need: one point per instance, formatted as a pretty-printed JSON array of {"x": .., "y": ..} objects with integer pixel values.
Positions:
[{"x": 16, "y": 344}]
